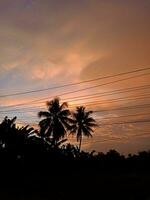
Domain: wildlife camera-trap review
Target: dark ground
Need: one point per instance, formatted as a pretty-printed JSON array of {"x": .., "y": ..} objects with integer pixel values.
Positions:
[{"x": 74, "y": 184}]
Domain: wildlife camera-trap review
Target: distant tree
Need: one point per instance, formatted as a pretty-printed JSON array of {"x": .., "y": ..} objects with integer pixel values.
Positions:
[
  {"x": 83, "y": 124},
  {"x": 55, "y": 122}
]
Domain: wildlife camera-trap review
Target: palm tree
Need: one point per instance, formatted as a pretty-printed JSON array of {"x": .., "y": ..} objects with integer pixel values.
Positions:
[
  {"x": 55, "y": 122},
  {"x": 83, "y": 124}
]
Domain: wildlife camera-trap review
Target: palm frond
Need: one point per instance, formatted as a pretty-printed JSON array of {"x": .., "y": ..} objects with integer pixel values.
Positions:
[
  {"x": 44, "y": 123},
  {"x": 64, "y": 105},
  {"x": 65, "y": 113},
  {"x": 61, "y": 142},
  {"x": 89, "y": 119},
  {"x": 43, "y": 114},
  {"x": 91, "y": 124},
  {"x": 87, "y": 131}
]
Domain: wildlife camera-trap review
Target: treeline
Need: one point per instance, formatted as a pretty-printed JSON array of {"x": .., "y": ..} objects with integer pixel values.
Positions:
[
  {"x": 41, "y": 164},
  {"x": 48, "y": 146}
]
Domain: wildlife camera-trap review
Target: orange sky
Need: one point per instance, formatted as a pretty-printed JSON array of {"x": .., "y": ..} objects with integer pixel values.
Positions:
[{"x": 54, "y": 42}]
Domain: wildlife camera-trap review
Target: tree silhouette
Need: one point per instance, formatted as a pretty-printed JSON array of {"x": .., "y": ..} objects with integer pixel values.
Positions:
[
  {"x": 14, "y": 140},
  {"x": 83, "y": 124},
  {"x": 56, "y": 121},
  {"x": 7, "y": 131}
]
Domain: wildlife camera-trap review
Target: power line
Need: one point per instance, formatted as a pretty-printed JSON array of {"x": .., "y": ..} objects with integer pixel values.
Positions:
[
  {"x": 72, "y": 84},
  {"x": 92, "y": 103},
  {"x": 75, "y": 91},
  {"x": 101, "y": 94},
  {"x": 100, "y": 141},
  {"x": 119, "y": 116},
  {"x": 110, "y": 118},
  {"x": 96, "y": 86},
  {"x": 113, "y": 100},
  {"x": 114, "y": 139},
  {"x": 142, "y": 96},
  {"x": 122, "y": 116},
  {"x": 127, "y": 122},
  {"x": 108, "y": 93},
  {"x": 124, "y": 108}
]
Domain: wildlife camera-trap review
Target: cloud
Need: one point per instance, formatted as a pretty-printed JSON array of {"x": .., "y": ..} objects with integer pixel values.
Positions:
[{"x": 111, "y": 35}]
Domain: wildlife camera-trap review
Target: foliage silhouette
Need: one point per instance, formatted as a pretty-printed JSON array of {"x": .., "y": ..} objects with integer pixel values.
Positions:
[
  {"x": 41, "y": 163},
  {"x": 12, "y": 137},
  {"x": 55, "y": 124},
  {"x": 83, "y": 124}
]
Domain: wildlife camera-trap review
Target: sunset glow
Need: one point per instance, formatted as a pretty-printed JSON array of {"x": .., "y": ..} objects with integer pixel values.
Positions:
[{"x": 55, "y": 48}]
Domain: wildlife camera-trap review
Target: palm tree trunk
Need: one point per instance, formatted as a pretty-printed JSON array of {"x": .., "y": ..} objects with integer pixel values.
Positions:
[{"x": 80, "y": 143}]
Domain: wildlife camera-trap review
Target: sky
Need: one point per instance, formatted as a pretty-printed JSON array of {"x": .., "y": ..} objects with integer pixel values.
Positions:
[{"x": 48, "y": 43}]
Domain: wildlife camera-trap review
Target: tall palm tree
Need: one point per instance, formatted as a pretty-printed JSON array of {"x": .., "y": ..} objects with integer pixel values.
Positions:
[
  {"x": 83, "y": 124},
  {"x": 55, "y": 122}
]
